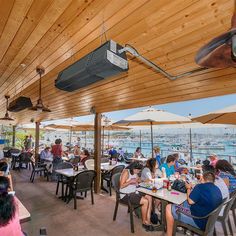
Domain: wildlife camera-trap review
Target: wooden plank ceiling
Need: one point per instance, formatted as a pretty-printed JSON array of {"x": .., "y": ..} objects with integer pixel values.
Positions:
[{"x": 55, "y": 33}]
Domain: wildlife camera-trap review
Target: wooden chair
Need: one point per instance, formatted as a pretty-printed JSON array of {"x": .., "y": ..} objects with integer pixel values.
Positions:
[
  {"x": 225, "y": 217},
  {"x": 107, "y": 176},
  {"x": 82, "y": 183},
  {"x": 210, "y": 226},
  {"x": 131, "y": 207}
]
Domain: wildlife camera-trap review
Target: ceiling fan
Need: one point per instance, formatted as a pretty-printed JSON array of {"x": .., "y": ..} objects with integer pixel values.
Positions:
[
  {"x": 39, "y": 105},
  {"x": 7, "y": 117},
  {"x": 221, "y": 51}
]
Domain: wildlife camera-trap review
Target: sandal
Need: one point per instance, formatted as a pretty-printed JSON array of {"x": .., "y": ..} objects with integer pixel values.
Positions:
[{"x": 148, "y": 227}]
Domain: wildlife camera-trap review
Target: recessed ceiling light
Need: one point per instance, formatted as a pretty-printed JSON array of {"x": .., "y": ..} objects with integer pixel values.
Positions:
[{"x": 23, "y": 65}]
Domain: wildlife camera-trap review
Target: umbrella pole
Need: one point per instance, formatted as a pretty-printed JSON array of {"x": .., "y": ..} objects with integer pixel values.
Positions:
[
  {"x": 140, "y": 138},
  {"x": 152, "y": 138},
  {"x": 191, "y": 146},
  {"x": 102, "y": 140},
  {"x": 85, "y": 139},
  {"x": 70, "y": 137}
]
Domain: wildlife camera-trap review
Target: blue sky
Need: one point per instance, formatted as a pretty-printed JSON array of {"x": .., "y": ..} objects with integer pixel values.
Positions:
[{"x": 195, "y": 107}]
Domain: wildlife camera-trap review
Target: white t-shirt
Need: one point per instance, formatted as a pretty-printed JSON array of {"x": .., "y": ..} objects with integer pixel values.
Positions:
[
  {"x": 220, "y": 183},
  {"x": 147, "y": 175}
]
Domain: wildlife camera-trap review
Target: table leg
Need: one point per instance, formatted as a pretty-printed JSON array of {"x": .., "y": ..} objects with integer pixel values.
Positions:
[
  {"x": 162, "y": 226},
  {"x": 102, "y": 186}
]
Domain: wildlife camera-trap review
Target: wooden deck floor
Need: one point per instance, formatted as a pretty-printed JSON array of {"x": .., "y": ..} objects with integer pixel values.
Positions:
[{"x": 61, "y": 219}]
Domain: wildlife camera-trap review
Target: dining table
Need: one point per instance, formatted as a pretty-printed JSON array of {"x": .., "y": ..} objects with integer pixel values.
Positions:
[
  {"x": 141, "y": 159},
  {"x": 69, "y": 173},
  {"x": 165, "y": 196},
  {"x": 24, "y": 214}
]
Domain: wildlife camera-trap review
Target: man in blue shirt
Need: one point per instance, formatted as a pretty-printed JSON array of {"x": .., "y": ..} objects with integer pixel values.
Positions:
[
  {"x": 203, "y": 199},
  {"x": 168, "y": 167}
]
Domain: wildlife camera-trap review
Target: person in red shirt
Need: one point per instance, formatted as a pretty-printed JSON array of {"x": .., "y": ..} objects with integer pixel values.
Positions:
[{"x": 57, "y": 151}]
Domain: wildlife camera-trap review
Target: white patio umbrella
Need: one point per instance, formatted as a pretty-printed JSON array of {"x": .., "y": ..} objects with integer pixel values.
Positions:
[
  {"x": 152, "y": 117},
  {"x": 77, "y": 126},
  {"x": 226, "y": 115}
]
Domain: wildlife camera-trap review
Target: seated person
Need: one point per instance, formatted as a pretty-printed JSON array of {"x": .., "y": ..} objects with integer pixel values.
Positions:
[
  {"x": 138, "y": 153},
  {"x": 202, "y": 200},
  {"x": 76, "y": 151},
  {"x": 128, "y": 182},
  {"x": 121, "y": 151},
  {"x": 213, "y": 159},
  {"x": 112, "y": 151},
  {"x": 219, "y": 182},
  {"x": 157, "y": 155},
  {"x": 84, "y": 156},
  {"x": 226, "y": 171},
  {"x": 168, "y": 167},
  {"x": 46, "y": 154},
  {"x": 47, "y": 157},
  {"x": 176, "y": 155},
  {"x": 9, "y": 212},
  {"x": 151, "y": 171}
]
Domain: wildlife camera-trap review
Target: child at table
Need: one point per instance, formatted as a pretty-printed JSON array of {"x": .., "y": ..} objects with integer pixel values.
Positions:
[{"x": 9, "y": 215}]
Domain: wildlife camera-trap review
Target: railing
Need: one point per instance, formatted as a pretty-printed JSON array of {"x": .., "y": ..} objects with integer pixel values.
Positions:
[{"x": 199, "y": 155}]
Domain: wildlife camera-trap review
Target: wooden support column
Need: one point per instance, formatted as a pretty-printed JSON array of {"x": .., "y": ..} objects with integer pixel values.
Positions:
[
  {"x": 97, "y": 151},
  {"x": 36, "y": 146},
  {"x": 13, "y": 136}
]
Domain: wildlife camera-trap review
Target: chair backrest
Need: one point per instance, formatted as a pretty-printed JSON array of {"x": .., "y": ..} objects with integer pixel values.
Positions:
[
  {"x": 14, "y": 151},
  {"x": 233, "y": 207},
  {"x": 84, "y": 180},
  {"x": 89, "y": 164},
  {"x": 229, "y": 205},
  {"x": 64, "y": 165},
  {"x": 127, "y": 157},
  {"x": 116, "y": 184},
  {"x": 25, "y": 157},
  {"x": 213, "y": 218},
  {"x": 117, "y": 169}
]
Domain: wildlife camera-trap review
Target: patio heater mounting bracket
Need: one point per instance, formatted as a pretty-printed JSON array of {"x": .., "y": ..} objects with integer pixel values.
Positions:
[{"x": 128, "y": 48}]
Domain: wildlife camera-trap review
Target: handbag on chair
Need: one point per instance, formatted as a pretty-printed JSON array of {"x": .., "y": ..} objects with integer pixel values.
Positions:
[{"x": 179, "y": 185}]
